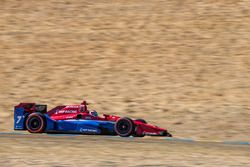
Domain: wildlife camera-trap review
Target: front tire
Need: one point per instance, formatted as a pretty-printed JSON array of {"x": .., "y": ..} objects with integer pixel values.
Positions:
[
  {"x": 124, "y": 127},
  {"x": 35, "y": 123}
]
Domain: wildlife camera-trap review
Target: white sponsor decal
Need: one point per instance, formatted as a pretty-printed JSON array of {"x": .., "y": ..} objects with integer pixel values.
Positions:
[
  {"x": 88, "y": 130},
  {"x": 151, "y": 133},
  {"x": 67, "y": 111},
  {"x": 88, "y": 117},
  {"x": 72, "y": 107}
]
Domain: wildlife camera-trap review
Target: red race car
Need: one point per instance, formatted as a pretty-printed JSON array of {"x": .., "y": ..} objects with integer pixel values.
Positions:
[{"x": 78, "y": 119}]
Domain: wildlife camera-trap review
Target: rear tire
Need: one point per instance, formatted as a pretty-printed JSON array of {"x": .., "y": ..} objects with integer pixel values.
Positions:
[
  {"x": 125, "y": 127},
  {"x": 35, "y": 123}
]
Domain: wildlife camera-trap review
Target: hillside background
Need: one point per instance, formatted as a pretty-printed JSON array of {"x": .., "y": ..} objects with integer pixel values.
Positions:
[{"x": 183, "y": 65}]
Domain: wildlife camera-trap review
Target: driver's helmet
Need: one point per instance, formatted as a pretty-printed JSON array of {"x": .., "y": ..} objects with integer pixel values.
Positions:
[{"x": 94, "y": 113}]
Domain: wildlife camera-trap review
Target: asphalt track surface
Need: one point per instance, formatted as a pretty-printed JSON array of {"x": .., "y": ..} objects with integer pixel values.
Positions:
[{"x": 24, "y": 149}]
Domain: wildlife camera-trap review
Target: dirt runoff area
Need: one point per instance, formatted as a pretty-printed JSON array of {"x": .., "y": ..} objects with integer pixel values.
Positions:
[
  {"x": 183, "y": 65},
  {"x": 50, "y": 150}
]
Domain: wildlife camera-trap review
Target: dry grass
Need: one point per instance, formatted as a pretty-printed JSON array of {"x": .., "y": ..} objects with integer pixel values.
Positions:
[{"x": 183, "y": 65}]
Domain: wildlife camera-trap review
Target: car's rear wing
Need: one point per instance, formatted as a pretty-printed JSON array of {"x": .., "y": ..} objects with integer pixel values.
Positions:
[{"x": 22, "y": 110}]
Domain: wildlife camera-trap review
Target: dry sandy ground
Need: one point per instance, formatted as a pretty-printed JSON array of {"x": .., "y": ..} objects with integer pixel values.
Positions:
[
  {"x": 183, "y": 65},
  {"x": 44, "y": 150}
]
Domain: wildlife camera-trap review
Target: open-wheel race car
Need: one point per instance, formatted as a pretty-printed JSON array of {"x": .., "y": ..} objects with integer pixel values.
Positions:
[{"x": 78, "y": 119}]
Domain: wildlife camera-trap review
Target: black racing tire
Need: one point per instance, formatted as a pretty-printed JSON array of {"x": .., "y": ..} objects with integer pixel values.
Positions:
[
  {"x": 142, "y": 121},
  {"x": 35, "y": 123},
  {"x": 125, "y": 127}
]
